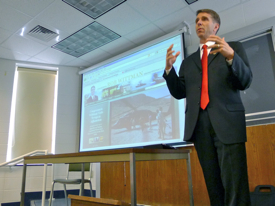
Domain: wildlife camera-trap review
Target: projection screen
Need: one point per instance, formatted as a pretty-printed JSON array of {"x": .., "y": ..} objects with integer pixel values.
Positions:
[{"x": 126, "y": 103}]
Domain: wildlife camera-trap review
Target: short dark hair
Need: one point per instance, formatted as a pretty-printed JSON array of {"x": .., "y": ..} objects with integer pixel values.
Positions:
[{"x": 214, "y": 15}]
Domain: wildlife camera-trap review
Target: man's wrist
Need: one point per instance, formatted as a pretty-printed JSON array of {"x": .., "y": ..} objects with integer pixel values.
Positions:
[
  {"x": 229, "y": 62},
  {"x": 168, "y": 68},
  {"x": 230, "y": 57}
]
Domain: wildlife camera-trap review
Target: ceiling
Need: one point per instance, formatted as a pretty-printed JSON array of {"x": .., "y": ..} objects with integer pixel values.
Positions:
[{"x": 136, "y": 21}]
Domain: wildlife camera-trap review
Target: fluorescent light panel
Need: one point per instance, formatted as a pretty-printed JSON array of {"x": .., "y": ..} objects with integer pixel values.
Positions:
[
  {"x": 86, "y": 40},
  {"x": 190, "y": 1},
  {"x": 94, "y": 8}
]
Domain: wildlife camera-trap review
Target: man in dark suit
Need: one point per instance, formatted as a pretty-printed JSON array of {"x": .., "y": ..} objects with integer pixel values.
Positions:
[
  {"x": 216, "y": 124},
  {"x": 92, "y": 97}
]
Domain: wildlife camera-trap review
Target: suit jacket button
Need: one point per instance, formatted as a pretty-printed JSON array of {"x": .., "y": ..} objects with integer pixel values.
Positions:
[{"x": 198, "y": 103}]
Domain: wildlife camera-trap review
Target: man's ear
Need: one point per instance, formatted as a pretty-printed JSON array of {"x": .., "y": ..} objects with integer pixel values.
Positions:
[{"x": 216, "y": 27}]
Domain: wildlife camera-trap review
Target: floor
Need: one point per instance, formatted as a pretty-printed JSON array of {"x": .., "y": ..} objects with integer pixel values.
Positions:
[{"x": 55, "y": 202}]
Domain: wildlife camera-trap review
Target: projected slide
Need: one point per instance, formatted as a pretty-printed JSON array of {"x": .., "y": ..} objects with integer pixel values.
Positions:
[{"x": 126, "y": 103}]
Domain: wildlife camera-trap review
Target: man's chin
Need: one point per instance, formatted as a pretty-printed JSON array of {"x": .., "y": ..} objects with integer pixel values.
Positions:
[{"x": 200, "y": 34}]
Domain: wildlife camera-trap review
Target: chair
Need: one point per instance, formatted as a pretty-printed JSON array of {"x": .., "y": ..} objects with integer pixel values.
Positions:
[{"x": 75, "y": 167}]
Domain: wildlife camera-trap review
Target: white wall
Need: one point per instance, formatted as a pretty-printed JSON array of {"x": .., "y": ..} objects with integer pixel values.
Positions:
[{"x": 67, "y": 130}]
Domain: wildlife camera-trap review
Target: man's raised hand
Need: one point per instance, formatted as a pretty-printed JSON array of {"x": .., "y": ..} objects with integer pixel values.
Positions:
[{"x": 170, "y": 58}]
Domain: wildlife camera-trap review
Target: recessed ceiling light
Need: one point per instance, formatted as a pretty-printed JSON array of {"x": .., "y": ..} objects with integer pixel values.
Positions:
[
  {"x": 190, "y": 1},
  {"x": 94, "y": 8},
  {"x": 86, "y": 40}
]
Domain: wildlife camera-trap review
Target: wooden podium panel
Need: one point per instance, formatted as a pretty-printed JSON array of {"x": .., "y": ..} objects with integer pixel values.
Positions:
[
  {"x": 91, "y": 201},
  {"x": 163, "y": 183},
  {"x": 159, "y": 183}
]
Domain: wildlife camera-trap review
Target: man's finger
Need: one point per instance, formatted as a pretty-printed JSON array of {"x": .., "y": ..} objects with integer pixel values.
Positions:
[
  {"x": 170, "y": 47},
  {"x": 213, "y": 46},
  {"x": 215, "y": 51},
  {"x": 170, "y": 52},
  {"x": 177, "y": 54}
]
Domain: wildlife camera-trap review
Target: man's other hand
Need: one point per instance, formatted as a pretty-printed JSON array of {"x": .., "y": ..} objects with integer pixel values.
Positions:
[{"x": 221, "y": 46}]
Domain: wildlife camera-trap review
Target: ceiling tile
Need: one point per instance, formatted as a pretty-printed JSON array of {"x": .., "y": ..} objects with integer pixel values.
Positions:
[
  {"x": 176, "y": 18},
  {"x": 33, "y": 59},
  {"x": 53, "y": 56},
  {"x": 123, "y": 19},
  {"x": 9, "y": 54},
  {"x": 11, "y": 19},
  {"x": 118, "y": 46},
  {"x": 145, "y": 34},
  {"x": 64, "y": 17},
  {"x": 79, "y": 63},
  {"x": 4, "y": 34},
  {"x": 255, "y": 11},
  {"x": 156, "y": 9},
  {"x": 23, "y": 45},
  {"x": 96, "y": 56},
  {"x": 30, "y": 7},
  {"x": 216, "y": 5},
  {"x": 231, "y": 19}
]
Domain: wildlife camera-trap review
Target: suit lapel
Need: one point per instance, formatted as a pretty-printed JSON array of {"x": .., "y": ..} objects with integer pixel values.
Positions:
[
  {"x": 211, "y": 57},
  {"x": 197, "y": 58}
]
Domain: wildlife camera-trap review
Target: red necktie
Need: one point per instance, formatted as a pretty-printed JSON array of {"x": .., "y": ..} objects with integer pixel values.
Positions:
[{"x": 204, "y": 85}]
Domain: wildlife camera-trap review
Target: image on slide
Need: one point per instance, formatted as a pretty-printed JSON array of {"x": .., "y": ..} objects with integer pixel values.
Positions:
[{"x": 144, "y": 117}]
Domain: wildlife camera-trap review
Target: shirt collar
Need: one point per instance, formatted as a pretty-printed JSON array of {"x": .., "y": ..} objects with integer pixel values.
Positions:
[{"x": 209, "y": 43}]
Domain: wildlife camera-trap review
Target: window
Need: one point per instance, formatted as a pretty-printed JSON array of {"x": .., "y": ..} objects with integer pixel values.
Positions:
[{"x": 33, "y": 115}]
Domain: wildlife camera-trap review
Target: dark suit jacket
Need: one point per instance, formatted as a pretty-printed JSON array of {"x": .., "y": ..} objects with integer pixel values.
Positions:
[
  {"x": 225, "y": 109},
  {"x": 90, "y": 99}
]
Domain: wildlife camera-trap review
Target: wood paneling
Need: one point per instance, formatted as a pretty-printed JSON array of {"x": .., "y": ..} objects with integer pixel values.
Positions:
[
  {"x": 158, "y": 182},
  {"x": 165, "y": 182},
  {"x": 260, "y": 155}
]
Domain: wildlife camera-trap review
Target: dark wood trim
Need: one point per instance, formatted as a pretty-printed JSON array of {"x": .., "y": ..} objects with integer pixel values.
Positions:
[
  {"x": 82, "y": 200},
  {"x": 107, "y": 152}
]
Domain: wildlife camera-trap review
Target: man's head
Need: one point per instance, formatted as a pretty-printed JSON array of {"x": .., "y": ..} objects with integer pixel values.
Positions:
[{"x": 207, "y": 23}]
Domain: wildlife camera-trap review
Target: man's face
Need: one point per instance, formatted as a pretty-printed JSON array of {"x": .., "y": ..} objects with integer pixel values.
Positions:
[{"x": 205, "y": 26}]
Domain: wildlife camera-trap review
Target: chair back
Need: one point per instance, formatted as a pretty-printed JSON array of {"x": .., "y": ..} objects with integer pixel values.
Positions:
[{"x": 76, "y": 167}]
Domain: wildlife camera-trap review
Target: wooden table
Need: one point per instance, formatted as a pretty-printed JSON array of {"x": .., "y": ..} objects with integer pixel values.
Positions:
[{"x": 120, "y": 155}]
